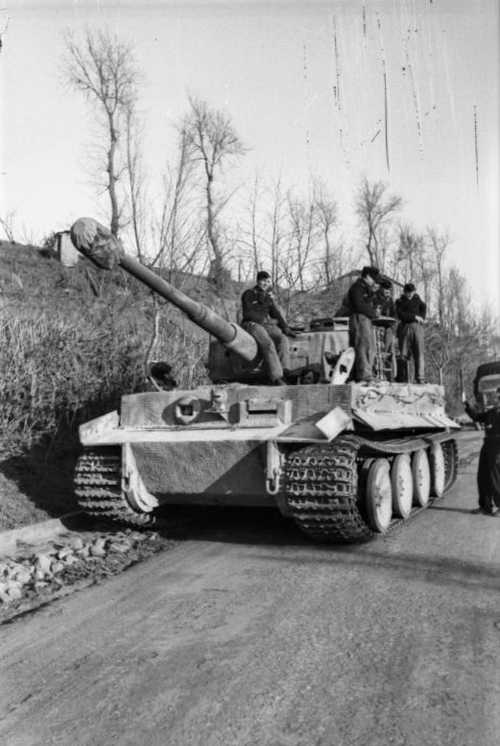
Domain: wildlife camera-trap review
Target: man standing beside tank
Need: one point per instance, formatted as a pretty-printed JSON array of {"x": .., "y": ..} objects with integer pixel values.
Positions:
[
  {"x": 360, "y": 301},
  {"x": 263, "y": 320},
  {"x": 488, "y": 470},
  {"x": 411, "y": 311}
]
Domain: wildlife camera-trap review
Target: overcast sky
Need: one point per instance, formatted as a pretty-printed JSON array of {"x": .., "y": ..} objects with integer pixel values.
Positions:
[{"x": 303, "y": 82}]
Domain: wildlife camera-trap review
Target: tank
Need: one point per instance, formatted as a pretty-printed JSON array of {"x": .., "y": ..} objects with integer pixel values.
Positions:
[{"x": 345, "y": 461}]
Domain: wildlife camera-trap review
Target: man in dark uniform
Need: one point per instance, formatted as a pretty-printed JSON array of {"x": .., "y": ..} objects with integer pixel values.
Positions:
[
  {"x": 263, "y": 320},
  {"x": 385, "y": 303},
  {"x": 488, "y": 470},
  {"x": 360, "y": 304},
  {"x": 411, "y": 311}
]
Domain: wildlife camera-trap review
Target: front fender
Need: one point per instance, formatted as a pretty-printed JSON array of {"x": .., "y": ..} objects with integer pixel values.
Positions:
[{"x": 100, "y": 430}]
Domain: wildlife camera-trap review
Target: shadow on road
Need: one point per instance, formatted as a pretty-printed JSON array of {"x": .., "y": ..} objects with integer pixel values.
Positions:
[
  {"x": 266, "y": 527},
  {"x": 467, "y": 511},
  {"x": 441, "y": 571},
  {"x": 234, "y": 525}
]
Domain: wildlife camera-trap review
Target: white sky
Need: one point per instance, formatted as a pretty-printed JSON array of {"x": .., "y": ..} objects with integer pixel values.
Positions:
[{"x": 273, "y": 67}]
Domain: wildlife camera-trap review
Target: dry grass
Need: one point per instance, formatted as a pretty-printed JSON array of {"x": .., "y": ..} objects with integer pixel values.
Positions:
[{"x": 56, "y": 370}]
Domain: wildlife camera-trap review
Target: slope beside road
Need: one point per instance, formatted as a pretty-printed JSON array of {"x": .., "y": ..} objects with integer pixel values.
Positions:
[{"x": 247, "y": 635}]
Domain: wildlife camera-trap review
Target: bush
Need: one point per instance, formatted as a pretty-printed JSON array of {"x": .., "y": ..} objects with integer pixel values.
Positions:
[{"x": 56, "y": 371}]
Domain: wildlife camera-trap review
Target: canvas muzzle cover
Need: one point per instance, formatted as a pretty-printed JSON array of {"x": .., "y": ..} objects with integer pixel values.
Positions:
[{"x": 96, "y": 242}]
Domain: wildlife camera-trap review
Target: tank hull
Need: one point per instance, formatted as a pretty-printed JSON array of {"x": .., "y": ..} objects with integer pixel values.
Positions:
[{"x": 240, "y": 449}]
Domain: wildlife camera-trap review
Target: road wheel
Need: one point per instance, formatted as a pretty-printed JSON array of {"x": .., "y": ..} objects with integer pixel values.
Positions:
[
  {"x": 438, "y": 469},
  {"x": 379, "y": 495},
  {"x": 402, "y": 486},
  {"x": 421, "y": 478}
]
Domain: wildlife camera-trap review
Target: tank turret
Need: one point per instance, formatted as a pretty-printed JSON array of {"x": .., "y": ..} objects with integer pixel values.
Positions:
[{"x": 95, "y": 242}]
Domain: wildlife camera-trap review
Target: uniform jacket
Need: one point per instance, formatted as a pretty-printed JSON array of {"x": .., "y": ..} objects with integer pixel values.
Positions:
[
  {"x": 258, "y": 306},
  {"x": 360, "y": 299},
  {"x": 490, "y": 418},
  {"x": 408, "y": 308}
]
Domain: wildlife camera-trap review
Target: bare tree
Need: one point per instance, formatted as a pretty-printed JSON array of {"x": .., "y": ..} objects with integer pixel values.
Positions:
[
  {"x": 212, "y": 140},
  {"x": 103, "y": 68},
  {"x": 410, "y": 245},
  {"x": 376, "y": 209},
  {"x": 326, "y": 214},
  {"x": 438, "y": 243},
  {"x": 304, "y": 233},
  {"x": 7, "y": 224},
  {"x": 179, "y": 234},
  {"x": 135, "y": 177}
]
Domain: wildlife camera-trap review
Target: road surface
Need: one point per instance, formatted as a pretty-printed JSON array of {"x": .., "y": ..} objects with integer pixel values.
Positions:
[{"x": 245, "y": 635}]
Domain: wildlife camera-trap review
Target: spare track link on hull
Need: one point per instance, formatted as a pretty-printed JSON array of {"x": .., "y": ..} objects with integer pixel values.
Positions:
[
  {"x": 98, "y": 488},
  {"x": 321, "y": 487}
]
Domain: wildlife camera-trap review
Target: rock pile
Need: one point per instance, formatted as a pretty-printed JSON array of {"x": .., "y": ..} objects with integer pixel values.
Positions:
[{"x": 33, "y": 578}]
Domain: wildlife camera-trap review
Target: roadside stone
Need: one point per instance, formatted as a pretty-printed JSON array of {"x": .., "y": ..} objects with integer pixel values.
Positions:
[
  {"x": 4, "y": 569},
  {"x": 14, "y": 590},
  {"x": 70, "y": 559},
  {"x": 65, "y": 552},
  {"x": 42, "y": 565},
  {"x": 76, "y": 542},
  {"x": 119, "y": 546},
  {"x": 98, "y": 548},
  {"x": 57, "y": 567},
  {"x": 83, "y": 552},
  {"x": 22, "y": 574}
]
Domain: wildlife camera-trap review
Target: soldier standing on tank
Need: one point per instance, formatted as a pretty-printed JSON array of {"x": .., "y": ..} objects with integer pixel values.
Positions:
[
  {"x": 488, "y": 470},
  {"x": 360, "y": 301},
  {"x": 411, "y": 311},
  {"x": 385, "y": 303},
  {"x": 264, "y": 321}
]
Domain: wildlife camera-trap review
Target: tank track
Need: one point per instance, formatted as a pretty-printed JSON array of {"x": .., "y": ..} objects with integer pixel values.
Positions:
[
  {"x": 98, "y": 488},
  {"x": 321, "y": 485},
  {"x": 450, "y": 452},
  {"x": 323, "y": 493}
]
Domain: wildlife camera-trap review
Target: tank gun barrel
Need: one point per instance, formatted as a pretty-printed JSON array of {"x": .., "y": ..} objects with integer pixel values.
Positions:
[{"x": 96, "y": 242}]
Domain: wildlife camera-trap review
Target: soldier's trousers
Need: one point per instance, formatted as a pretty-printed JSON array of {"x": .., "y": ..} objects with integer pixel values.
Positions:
[
  {"x": 273, "y": 346},
  {"x": 411, "y": 345},
  {"x": 362, "y": 338},
  {"x": 488, "y": 474}
]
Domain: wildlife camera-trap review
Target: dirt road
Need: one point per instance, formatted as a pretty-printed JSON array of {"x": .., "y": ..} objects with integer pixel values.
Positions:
[{"x": 245, "y": 635}]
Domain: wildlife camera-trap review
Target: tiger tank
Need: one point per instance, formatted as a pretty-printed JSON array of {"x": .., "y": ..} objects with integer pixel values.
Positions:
[{"x": 344, "y": 460}]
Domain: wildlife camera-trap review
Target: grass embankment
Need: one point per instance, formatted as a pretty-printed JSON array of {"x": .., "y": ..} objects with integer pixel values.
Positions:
[{"x": 71, "y": 342}]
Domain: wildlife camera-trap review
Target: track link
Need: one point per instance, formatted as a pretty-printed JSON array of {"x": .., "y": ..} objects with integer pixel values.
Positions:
[
  {"x": 98, "y": 488},
  {"x": 323, "y": 493},
  {"x": 321, "y": 485}
]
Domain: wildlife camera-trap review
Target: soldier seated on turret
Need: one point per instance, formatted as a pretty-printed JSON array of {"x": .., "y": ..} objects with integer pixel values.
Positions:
[{"x": 263, "y": 320}]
